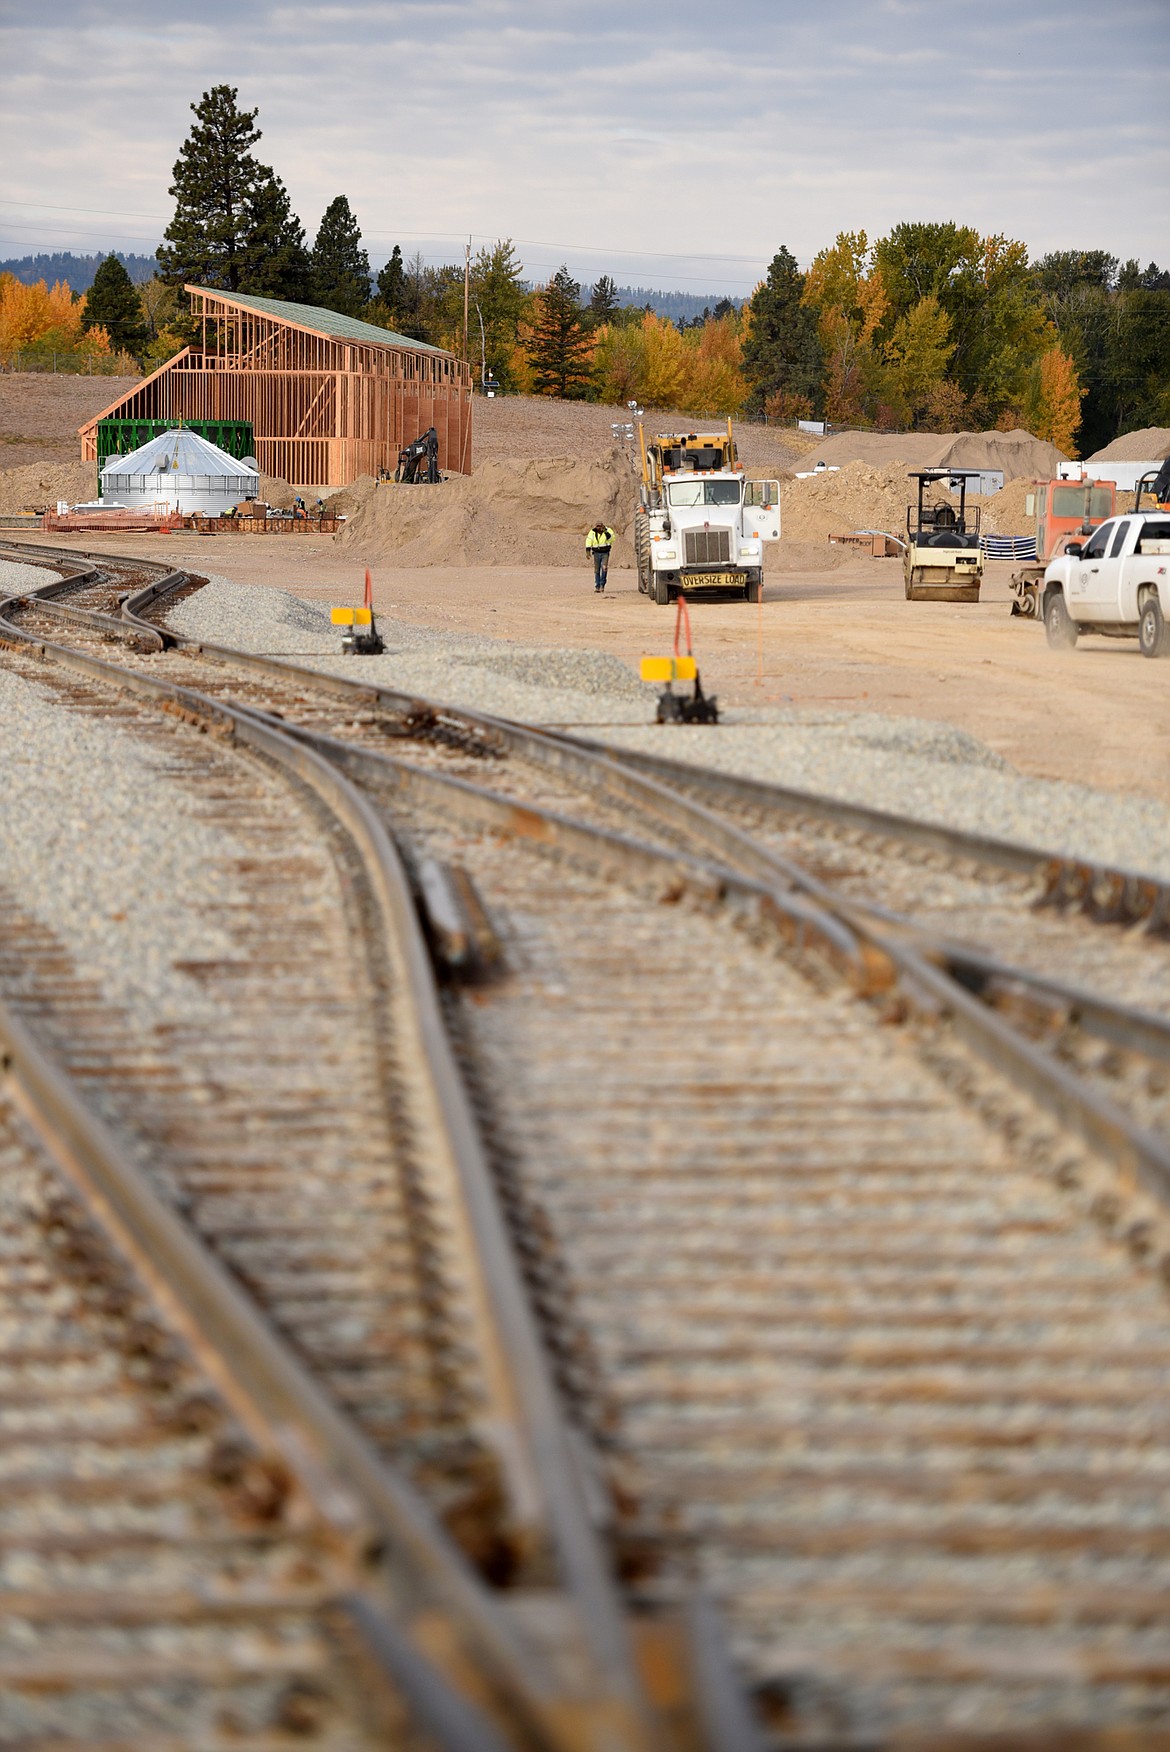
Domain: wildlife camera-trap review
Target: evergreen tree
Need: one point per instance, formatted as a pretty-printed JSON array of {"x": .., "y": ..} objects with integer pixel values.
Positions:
[
  {"x": 233, "y": 228},
  {"x": 340, "y": 267},
  {"x": 112, "y": 303},
  {"x": 603, "y": 299},
  {"x": 558, "y": 345},
  {"x": 782, "y": 353},
  {"x": 392, "y": 283}
]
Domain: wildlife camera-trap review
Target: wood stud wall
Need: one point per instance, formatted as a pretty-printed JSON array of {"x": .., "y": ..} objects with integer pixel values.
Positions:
[{"x": 323, "y": 410}]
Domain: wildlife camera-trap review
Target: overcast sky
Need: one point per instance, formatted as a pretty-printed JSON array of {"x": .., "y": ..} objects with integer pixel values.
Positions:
[{"x": 671, "y": 146}]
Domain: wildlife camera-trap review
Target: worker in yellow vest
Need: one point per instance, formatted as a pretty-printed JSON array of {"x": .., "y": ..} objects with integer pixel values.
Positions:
[{"x": 597, "y": 545}]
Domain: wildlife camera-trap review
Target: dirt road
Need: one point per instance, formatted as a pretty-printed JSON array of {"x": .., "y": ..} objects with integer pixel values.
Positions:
[{"x": 841, "y": 636}]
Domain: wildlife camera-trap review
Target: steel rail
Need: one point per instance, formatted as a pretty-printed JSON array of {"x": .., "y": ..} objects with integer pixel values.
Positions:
[
  {"x": 599, "y": 767},
  {"x": 807, "y": 924},
  {"x": 934, "y": 990},
  {"x": 1059, "y": 870},
  {"x": 620, "y": 1716},
  {"x": 867, "y": 953},
  {"x": 266, "y": 1387},
  {"x": 955, "y": 842},
  {"x": 1141, "y": 1155}
]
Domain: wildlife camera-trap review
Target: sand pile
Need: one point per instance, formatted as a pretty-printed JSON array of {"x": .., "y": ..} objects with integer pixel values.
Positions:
[
  {"x": 860, "y": 496},
  {"x": 532, "y": 513},
  {"x": 275, "y": 492},
  {"x": 1005, "y": 512},
  {"x": 1017, "y": 453},
  {"x": 857, "y": 496},
  {"x": 1151, "y": 444},
  {"x": 347, "y": 500},
  {"x": 38, "y": 485}
]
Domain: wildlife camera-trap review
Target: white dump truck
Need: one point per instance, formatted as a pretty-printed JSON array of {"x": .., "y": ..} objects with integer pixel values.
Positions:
[
  {"x": 1116, "y": 582},
  {"x": 701, "y": 525}
]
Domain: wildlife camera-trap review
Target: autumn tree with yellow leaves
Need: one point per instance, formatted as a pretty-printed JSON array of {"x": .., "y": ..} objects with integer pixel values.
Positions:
[{"x": 42, "y": 320}]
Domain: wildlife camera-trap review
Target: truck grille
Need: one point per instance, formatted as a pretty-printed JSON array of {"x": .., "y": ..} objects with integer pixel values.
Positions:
[{"x": 707, "y": 547}]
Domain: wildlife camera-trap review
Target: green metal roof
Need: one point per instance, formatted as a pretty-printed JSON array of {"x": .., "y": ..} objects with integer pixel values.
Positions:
[{"x": 324, "y": 322}]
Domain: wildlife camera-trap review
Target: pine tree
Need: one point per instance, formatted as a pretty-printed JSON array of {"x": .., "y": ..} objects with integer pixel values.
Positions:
[
  {"x": 233, "y": 228},
  {"x": 112, "y": 303},
  {"x": 558, "y": 344},
  {"x": 392, "y": 283},
  {"x": 340, "y": 267},
  {"x": 603, "y": 299},
  {"x": 782, "y": 352}
]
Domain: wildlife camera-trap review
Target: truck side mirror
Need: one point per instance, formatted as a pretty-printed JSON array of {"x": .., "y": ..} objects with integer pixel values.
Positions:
[{"x": 1074, "y": 548}]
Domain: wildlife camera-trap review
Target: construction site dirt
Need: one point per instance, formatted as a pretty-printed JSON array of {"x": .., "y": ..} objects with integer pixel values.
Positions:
[{"x": 834, "y": 631}]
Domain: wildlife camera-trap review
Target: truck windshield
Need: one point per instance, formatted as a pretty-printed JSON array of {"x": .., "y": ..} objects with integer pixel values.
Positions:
[
  {"x": 1070, "y": 502},
  {"x": 686, "y": 493}
]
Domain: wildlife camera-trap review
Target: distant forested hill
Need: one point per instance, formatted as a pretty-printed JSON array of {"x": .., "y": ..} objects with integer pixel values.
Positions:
[
  {"x": 678, "y": 306},
  {"x": 77, "y": 271}
]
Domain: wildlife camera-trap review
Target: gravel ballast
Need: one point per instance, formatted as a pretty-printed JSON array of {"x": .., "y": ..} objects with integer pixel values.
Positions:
[
  {"x": 931, "y": 771},
  {"x": 108, "y": 852},
  {"x": 15, "y": 576}
]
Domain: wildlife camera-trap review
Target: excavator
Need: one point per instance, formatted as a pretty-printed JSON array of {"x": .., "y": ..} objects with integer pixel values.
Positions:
[{"x": 419, "y": 462}]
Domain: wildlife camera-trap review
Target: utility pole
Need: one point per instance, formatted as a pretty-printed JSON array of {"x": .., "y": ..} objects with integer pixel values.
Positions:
[{"x": 466, "y": 293}]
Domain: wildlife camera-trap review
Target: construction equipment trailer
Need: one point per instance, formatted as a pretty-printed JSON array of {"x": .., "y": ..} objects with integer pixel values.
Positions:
[
  {"x": 942, "y": 561},
  {"x": 701, "y": 525}
]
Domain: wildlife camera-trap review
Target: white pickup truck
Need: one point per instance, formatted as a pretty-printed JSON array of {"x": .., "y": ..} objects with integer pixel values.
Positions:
[{"x": 1116, "y": 582}]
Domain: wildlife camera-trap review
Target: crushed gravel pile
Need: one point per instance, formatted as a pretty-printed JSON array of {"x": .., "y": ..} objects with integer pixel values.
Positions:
[
  {"x": 533, "y": 684},
  {"x": 37, "y": 486},
  {"x": 15, "y": 577},
  {"x": 913, "y": 766},
  {"x": 531, "y": 513}
]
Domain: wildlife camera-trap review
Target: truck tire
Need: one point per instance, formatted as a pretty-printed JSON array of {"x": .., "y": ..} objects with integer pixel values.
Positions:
[
  {"x": 660, "y": 590},
  {"x": 754, "y": 588},
  {"x": 1059, "y": 625},
  {"x": 1153, "y": 633},
  {"x": 642, "y": 550}
]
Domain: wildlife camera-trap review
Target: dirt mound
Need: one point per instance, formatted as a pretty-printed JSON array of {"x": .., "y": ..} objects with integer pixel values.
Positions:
[
  {"x": 38, "y": 485},
  {"x": 532, "y": 513},
  {"x": 1006, "y": 513},
  {"x": 535, "y": 426},
  {"x": 860, "y": 496},
  {"x": 856, "y": 496},
  {"x": 1150, "y": 444},
  {"x": 346, "y": 500},
  {"x": 273, "y": 491},
  {"x": 879, "y": 449},
  {"x": 1017, "y": 453}
]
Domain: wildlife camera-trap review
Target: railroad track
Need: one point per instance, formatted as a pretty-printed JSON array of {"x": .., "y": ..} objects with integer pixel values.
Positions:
[{"x": 858, "y": 1305}]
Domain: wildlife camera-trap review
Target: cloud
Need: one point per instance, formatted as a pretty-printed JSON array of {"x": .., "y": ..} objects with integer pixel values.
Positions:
[{"x": 644, "y": 143}]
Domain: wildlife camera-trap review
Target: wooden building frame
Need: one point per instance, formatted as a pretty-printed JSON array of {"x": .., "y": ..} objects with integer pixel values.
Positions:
[{"x": 329, "y": 397}]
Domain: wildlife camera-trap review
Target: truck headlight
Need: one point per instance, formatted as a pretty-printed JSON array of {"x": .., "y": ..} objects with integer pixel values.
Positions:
[{"x": 665, "y": 553}]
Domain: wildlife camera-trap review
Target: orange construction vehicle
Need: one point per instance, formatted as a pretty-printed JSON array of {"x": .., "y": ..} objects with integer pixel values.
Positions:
[{"x": 1063, "y": 510}]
